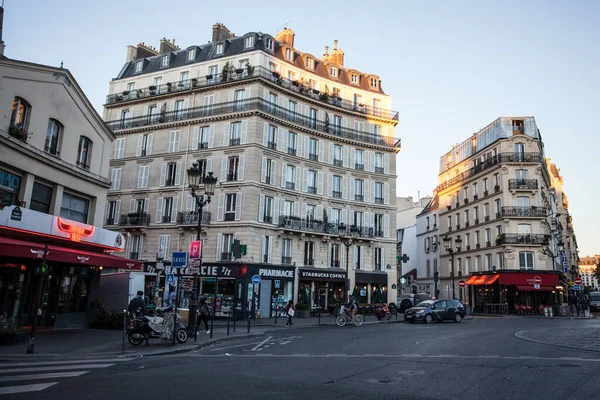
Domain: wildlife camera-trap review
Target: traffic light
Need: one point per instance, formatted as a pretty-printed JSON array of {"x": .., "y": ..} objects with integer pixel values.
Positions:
[{"x": 41, "y": 269}]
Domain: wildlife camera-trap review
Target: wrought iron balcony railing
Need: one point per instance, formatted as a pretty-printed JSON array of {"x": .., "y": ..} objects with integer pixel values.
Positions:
[
  {"x": 510, "y": 211},
  {"x": 191, "y": 217},
  {"x": 522, "y": 184},
  {"x": 255, "y": 103},
  {"x": 258, "y": 72},
  {"x": 134, "y": 219},
  {"x": 492, "y": 162},
  {"x": 286, "y": 260},
  {"x": 518, "y": 238},
  {"x": 317, "y": 226},
  {"x": 134, "y": 255}
]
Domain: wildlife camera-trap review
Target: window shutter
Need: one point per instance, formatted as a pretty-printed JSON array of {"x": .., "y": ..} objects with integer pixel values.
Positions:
[
  {"x": 345, "y": 187},
  {"x": 299, "y": 145},
  {"x": 211, "y": 136},
  {"x": 320, "y": 183},
  {"x": 284, "y": 141},
  {"x": 138, "y": 151},
  {"x": 283, "y": 175},
  {"x": 354, "y": 256},
  {"x": 147, "y": 205},
  {"x": 263, "y": 170},
  {"x": 238, "y": 206},
  {"x": 303, "y": 211},
  {"x": 383, "y": 258},
  {"x": 352, "y": 162},
  {"x": 117, "y": 214},
  {"x": 264, "y": 249},
  {"x": 116, "y": 179},
  {"x": 367, "y": 191},
  {"x": 351, "y": 189},
  {"x": 266, "y": 134},
  {"x": 241, "y": 167},
  {"x": 261, "y": 208},
  {"x": 174, "y": 209},
  {"x": 132, "y": 206},
  {"x": 321, "y": 151},
  {"x": 330, "y": 158},
  {"x": 386, "y": 225},
  {"x": 189, "y": 203},
  {"x": 221, "y": 207},
  {"x": 224, "y": 169},
  {"x": 329, "y": 185},
  {"x": 226, "y": 133},
  {"x": 345, "y": 156},
  {"x": 106, "y": 205},
  {"x": 178, "y": 174},
  {"x": 362, "y": 259},
  {"x": 296, "y": 209},
  {"x": 149, "y": 144},
  {"x": 386, "y": 193},
  {"x": 146, "y": 175},
  {"x": 176, "y": 143},
  {"x": 305, "y": 180},
  {"x": 159, "y": 206},
  {"x": 345, "y": 216},
  {"x": 273, "y": 172},
  {"x": 319, "y": 213},
  {"x": 306, "y": 145},
  {"x": 280, "y": 134},
  {"x": 386, "y": 164},
  {"x": 298, "y": 173},
  {"x": 372, "y": 199},
  {"x": 219, "y": 241},
  {"x": 141, "y": 177},
  {"x": 163, "y": 174},
  {"x": 275, "y": 210},
  {"x": 270, "y": 249},
  {"x": 244, "y": 136},
  {"x": 196, "y": 138}
]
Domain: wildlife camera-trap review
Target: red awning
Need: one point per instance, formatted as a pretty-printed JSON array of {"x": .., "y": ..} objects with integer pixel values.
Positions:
[
  {"x": 528, "y": 278},
  {"x": 530, "y": 288},
  {"x": 24, "y": 249},
  {"x": 482, "y": 279}
]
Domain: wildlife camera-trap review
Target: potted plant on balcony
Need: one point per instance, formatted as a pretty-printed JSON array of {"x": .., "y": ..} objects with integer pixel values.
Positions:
[
  {"x": 125, "y": 93},
  {"x": 249, "y": 69},
  {"x": 324, "y": 97},
  {"x": 227, "y": 71},
  {"x": 139, "y": 93},
  {"x": 152, "y": 89},
  {"x": 19, "y": 133},
  {"x": 169, "y": 86},
  {"x": 9, "y": 332},
  {"x": 194, "y": 82},
  {"x": 295, "y": 83},
  {"x": 239, "y": 71},
  {"x": 500, "y": 239},
  {"x": 209, "y": 77}
]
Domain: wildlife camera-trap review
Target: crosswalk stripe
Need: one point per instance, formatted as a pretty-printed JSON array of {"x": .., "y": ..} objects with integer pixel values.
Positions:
[
  {"x": 28, "y": 364},
  {"x": 26, "y": 388},
  {"x": 55, "y": 368},
  {"x": 30, "y": 377}
]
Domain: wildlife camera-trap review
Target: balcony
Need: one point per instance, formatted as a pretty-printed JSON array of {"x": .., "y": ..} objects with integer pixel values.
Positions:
[
  {"x": 134, "y": 219},
  {"x": 231, "y": 177},
  {"x": 291, "y": 151},
  {"x": 491, "y": 163},
  {"x": 252, "y": 104},
  {"x": 359, "y": 197},
  {"x": 226, "y": 256},
  {"x": 379, "y": 170},
  {"x": 475, "y": 197},
  {"x": 170, "y": 182},
  {"x": 466, "y": 201},
  {"x": 191, "y": 217},
  {"x": 338, "y": 163},
  {"x": 309, "y": 262},
  {"x": 335, "y": 264},
  {"x": 317, "y": 226},
  {"x": 522, "y": 184},
  {"x": 336, "y": 194},
  {"x": 229, "y": 216},
  {"x": 518, "y": 238},
  {"x": 378, "y": 200},
  {"x": 468, "y": 247},
  {"x": 290, "y": 185},
  {"x": 257, "y": 72},
  {"x": 268, "y": 179},
  {"x": 286, "y": 260},
  {"x": 378, "y": 233},
  {"x": 203, "y": 145},
  {"x": 488, "y": 244},
  {"x": 311, "y": 190},
  {"x": 235, "y": 141},
  {"x": 110, "y": 221},
  {"x": 313, "y": 157},
  {"x": 531, "y": 212},
  {"x": 165, "y": 219},
  {"x": 134, "y": 255},
  {"x": 272, "y": 145},
  {"x": 268, "y": 219},
  {"x": 467, "y": 224},
  {"x": 359, "y": 167}
]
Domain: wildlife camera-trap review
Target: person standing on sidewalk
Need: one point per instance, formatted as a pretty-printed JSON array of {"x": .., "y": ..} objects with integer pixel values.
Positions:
[
  {"x": 290, "y": 311},
  {"x": 137, "y": 305},
  {"x": 204, "y": 312}
]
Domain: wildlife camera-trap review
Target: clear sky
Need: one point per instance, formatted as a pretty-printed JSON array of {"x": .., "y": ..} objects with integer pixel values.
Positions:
[{"x": 452, "y": 67}]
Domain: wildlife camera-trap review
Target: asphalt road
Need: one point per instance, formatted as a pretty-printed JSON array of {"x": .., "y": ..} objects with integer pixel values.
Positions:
[{"x": 476, "y": 359}]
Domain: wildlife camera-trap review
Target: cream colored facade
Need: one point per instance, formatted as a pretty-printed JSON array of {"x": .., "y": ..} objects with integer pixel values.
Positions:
[
  {"x": 494, "y": 195},
  {"x": 55, "y": 148},
  {"x": 290, "y": 165},
  {"x": 587, "y": 269}
]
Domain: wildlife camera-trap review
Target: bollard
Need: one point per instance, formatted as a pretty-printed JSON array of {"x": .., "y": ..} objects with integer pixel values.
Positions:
[
  {"x": 227, "y": 327},
  {"x": 124, "y": 330},
  {"x": 212, "y": 320},
  {"x": 396, "y": 314},
  {"x": 233, "y": 321},
  {"x": 319, "y": 317},
  {"x": 276, "y": 312},
  {"x": 248, "y": 323}
]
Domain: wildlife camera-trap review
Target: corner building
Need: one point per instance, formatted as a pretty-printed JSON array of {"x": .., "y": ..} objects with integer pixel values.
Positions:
[
  {"x": 299, "y": 145},
  {"x": 494, "y": 191}
]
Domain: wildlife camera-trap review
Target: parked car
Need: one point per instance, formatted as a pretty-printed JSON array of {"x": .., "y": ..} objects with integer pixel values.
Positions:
[
  {"x": 436, "y": 310},
  {"x": 409, "y": 300},
  {"x": 594, "y": 301}
]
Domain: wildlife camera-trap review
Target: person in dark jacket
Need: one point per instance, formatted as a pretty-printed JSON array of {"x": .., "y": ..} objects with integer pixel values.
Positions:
[
  {"x": 290, "y": 306},
  {"x": 204, "y": 311},
  {"x": 137, "y": 305}
]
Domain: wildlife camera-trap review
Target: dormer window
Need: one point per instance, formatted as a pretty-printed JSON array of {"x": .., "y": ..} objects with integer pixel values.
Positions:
[
  {"x": 288, "y": 54},
  {"x": 191, "y": 55},
  {"x": 165, "y": 61},
  {"x": 269, "y": 44},
  {"x": 220, "y": 48},
  {"x": 354, "y": 78},
  {"x": 249, "y": 41},
  {"x": 333, "y": 71},
  {"x": 373, "y": 82},
  {"x": 310, "y": 63},
  {"x": 139, "y": 66}
]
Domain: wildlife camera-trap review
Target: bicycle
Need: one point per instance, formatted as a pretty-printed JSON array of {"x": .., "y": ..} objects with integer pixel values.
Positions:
[{"x": 342, "y": 319}]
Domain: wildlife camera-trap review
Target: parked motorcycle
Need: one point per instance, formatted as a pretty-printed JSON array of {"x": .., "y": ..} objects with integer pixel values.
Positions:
[
  {"x": 144, "y": 328},
  {"x": 383, "y": 312}
]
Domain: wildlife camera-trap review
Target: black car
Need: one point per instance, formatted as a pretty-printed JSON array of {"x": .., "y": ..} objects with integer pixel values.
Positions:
[{"x": 436, "y": 310}]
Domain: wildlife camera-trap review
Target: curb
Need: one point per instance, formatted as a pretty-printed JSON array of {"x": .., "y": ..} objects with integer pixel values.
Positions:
[{"x": 521, "y": 335}]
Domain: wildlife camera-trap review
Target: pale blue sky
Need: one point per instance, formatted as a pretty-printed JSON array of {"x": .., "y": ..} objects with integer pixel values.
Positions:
[{"x": 451, "y": 67}]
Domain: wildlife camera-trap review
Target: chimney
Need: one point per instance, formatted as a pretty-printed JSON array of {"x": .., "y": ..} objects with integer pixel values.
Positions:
[
  {"x": 167, "y": 46},
  {"x": 220, "y": 32},
  {"x": 2, "y": 46},
  {"x": 286, "y": 36},
  {"x": 131, "y": 53},
  {"x": 337, "y": 55}
]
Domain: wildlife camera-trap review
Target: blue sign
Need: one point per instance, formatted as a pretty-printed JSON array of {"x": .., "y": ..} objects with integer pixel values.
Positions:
[
  {"x": 576, "y": 287},
  {"x": 277, "y": 284},
  {"x": 179, "y": 259},
  {"x": 256, "y": 279},
  {"x": 170, "y": 279},
  {"x": 9, "y": 181}
]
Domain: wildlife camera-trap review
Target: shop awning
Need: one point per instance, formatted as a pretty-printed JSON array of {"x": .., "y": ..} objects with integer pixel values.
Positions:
[
  {"x": 482, "y": 279},
  {"x": 25, "y": 249},
  {"x": 530, "y": 288},
  {"x": 529, "y": 278},
  {"x": 371, "y": 277}
]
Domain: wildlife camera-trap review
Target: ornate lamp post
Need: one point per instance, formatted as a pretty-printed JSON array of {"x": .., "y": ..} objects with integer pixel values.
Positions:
[
  {"x": 196, "y": 177},
  {"x": 452, "y": 252},
  {"x": 347, "y": 240},
  {"x": 546, "y": 250}
]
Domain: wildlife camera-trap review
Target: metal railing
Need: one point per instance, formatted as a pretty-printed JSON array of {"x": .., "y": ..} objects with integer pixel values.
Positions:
[
  {"x": 286, "y": 260},
  {"x": 517, "y": 238},
  {"x": 317, "y": 226},
  {"x": 255, "y": 103},
  {"x": 490, "y": 163},
  {"x": 515, "y": 211},
  {"x": 191, "y": 217},
  {"x": 522, "y": 184},
  {"x": 258, "y": 72},
  {"x": 134, "y": 255},
  {"x": 134, "y": 219}
]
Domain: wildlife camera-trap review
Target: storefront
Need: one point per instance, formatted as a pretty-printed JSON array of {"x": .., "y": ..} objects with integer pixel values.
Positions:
[
  {"x": 504, "y": 290},
  {"x": 370, "y": 286},
  {"x": 322, "y": 289},
  {"x": 51, "y": 266},
  {"x": 10, "y": 184},
  {"x": 275, "y": 291}
]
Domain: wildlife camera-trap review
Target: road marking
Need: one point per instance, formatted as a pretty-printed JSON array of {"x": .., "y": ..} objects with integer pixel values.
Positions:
[
  {"x": 234, "y": 346},
  {"x": 28, "y": 364},
  {"x": 255, "y": 348},
  {"x": 55, "y": 368},
  {"x": 31, "y": 377},
  {"x": 26, "y": 388}
]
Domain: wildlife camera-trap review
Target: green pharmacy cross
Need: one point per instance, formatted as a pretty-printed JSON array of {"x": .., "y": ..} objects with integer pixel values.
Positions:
[{"x": 405, "y": 258}]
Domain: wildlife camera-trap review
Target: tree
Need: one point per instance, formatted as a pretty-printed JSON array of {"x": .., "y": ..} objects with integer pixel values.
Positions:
[{"x": 597, "y": 271}]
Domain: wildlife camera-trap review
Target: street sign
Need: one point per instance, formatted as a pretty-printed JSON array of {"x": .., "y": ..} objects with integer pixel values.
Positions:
[
  {"x": 576, "y": 287},
  {"x": 462, "y": 283},
  {"x": 277, "y": 284},
  {"x": 256, "y": 279},
  {"x": 536, "y": 286},
  {"x": 537, "y": 280},
  {"x": 195, "y": 249},
  {"x": 578, "y": 280},
  {"x": 179, "y": 259}
]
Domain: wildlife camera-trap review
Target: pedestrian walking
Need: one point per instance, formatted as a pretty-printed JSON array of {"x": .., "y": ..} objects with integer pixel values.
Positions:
[
  {"x": 137, "y": 305},
  {"x": 290, "y": 311},
  {"x": 204, "y": 311}
]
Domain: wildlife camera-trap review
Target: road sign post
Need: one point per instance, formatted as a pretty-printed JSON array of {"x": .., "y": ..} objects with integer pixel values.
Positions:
[
  {"x": 462, "y": 283},
  {"x": 179, "y": 259},
  {"x": 578, "y": 280}
]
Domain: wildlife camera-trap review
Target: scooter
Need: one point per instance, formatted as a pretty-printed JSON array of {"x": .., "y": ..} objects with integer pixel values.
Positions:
[
  {"x": 383, "y": 312},
  {"x": 144, "y": 328}
]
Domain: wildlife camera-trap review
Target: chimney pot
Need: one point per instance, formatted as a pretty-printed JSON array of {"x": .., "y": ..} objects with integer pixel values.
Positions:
[
  {"x": 335, "y": 43},
  {"x": 326, "y": 50}
]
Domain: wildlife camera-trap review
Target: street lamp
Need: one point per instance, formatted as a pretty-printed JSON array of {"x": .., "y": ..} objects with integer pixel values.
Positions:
[
  {"x": 196, "y": 177},
  {"x": 546, "y": 250},
  {"x": 452, "y": 252},
  {"x": 347, "y": 241}
]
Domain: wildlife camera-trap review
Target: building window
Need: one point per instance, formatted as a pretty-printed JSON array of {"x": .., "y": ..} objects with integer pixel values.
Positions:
[
  {"x": 53, "y": 137},
  {"x": 478, "y": 263},
  {"x": 269, "y": 44},
  {"x": 309, "y": 254},
  {"x": 358, "y": 190},
  {"x": 232, "y": 170},
  {"x": 358, "y": 160},
  {"x": 377, "y": 130},
  {"x": 288, "y": 54},
  {"x": 84, "y": 153},
  {"x": 165, "y": 61},
  {"x": 337, "y": 124},
  {"x": 286, "y": 251},
  {"x": 311, "y": 182},
  {"x": 119, "y": 148},
  {"x": 139, "y": 65},
  {"x": 174, "y": 141},
  {"x": 310, "y": 63},
  {"x": 337, "y": 187},
  {"x": 171, "y": 172},
  {"x": 354, "y": 78},
  {"x": 268, "y": 210},
  {"x": 373, "y": 82},
  {"x": 313, "y": 149},
  {"x": 249, "y": 41},
  {"x": 235, "y": 134},
  {"x": 220, "y": 49},
  {"x": 143, "y": 176},
  {"x": 500, "y": 261},
  {"x": 378, "y": 259},
  {"x": 333, "y": 71},
  {"x": 312, "y": 118},
  {"x": 378, "y": 225},
  {"x": 144, "y": 145},
  {"x": 337, "y": 155},
  {"x": 266, "y": 245},
  {"x": 230, "y": 200},
  {"x": 41, "y": 197},
  {"x": 179, "y": 111},
  {"x": 184, "y": 76},
  {"x": 526, "y": 260},
  {"x": 113, "y": 209},
  {"x": 226, "y": 244},
  {"x": 191, "y": 54},
  {"x": 334, "y": 256},
  {"x": 74, "y": 208},
  {"x": 378, "y": 193},
  {"x": 335, "y": 215},
  {"x": 379, "y": 163},
  {"x": 290, "y": 175},
  {"x": 358, "y": 219}
]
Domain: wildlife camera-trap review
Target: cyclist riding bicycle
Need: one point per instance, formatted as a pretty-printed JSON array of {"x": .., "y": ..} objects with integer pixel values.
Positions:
[{"x": 352, "y": 305}]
